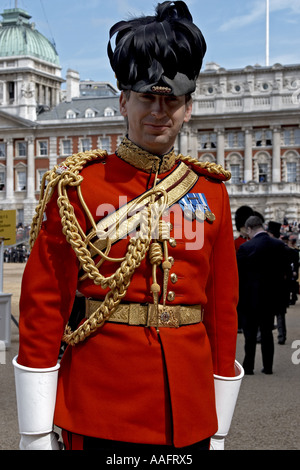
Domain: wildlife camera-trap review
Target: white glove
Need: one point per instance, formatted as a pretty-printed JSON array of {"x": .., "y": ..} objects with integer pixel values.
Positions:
[
  {"x": 36, "y": 396},
  {"x": 47, "y": 441},
  {"x": 226, "y": 393}
]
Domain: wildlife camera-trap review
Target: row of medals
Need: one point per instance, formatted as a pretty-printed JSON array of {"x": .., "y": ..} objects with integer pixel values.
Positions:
[{"x": 199, "y": 214}]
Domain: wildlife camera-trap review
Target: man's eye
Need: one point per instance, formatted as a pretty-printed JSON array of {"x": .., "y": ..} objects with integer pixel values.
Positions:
[{"x": 147, "y": 97}]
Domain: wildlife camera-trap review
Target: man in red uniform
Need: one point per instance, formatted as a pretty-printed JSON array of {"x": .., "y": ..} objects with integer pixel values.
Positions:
[{"x": 143, "y": 240}]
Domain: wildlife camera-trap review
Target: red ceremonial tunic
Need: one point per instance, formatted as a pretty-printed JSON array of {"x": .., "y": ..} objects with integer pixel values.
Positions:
[{"x": 128, "y": 383}]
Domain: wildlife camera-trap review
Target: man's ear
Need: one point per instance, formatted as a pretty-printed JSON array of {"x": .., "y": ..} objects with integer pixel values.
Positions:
[
  {"x": 123, "y": 101},
  {"x": 188, "y": 110}
]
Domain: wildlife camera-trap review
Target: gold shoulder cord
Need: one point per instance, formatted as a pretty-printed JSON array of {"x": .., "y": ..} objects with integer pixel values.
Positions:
[
  {"x": 68, "y": 174},
  {"x": 211, "y": 167}
]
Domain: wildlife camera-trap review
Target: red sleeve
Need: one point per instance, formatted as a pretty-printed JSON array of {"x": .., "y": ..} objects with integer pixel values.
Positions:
[
  {"x": 48, "y": 289},
  {"x": 220, "y": 317}
]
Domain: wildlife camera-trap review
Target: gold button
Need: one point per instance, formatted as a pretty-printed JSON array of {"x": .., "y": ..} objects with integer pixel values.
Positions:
[
  {"x": 171, "y": 296},
  {"x": 174, "y": 278},
  {"x": 172, "y": 242},
  {"x": 171, "y": 260}
]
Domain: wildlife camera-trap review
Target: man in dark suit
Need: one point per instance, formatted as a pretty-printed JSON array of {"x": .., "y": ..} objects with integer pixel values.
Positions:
[{"x": 261, "y": 263}]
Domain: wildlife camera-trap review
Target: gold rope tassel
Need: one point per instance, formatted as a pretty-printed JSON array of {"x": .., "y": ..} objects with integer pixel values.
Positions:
[
  {"x": 164, "y": 236},
  {"x": 156, "y": 257}
]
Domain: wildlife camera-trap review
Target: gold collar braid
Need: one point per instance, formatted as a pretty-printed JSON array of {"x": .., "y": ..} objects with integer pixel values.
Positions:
[
  {"x": 143, "y": 160},
  {"x": 148, "y": 162}
]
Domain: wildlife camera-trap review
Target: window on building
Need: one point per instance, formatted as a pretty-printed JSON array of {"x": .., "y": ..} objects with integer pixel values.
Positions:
[
  {"x": 90, "y": 113},
  {"x": 109, "y": 112},
  {"x": 297, "y": 137},
  {"x": 213, "y": 140},
  {"x": 43, "y": 147},
  {"x": 263, "y": 172},
  {"x": 231, "y": 140},
  {"x": 208, "y": 140},
  {"x": 21, "y": 149},
  {"x": 70, "y": 114},
  {"x": 85, "y": 144},
  {"x": 235, "y": 170},
  {"x": 66, "y": 147},
  {"x": 258, "y": 139},
  {"x": 240, "y": 139},
  {"x": 105, "y": 143},
  {"x": 21, "y": 180},
  {"x": 235, "y": 139},
  {"x": 263, "y": 138},
  {"x": 20, "y": 216},
  {"x": 40, "y": 174},
  {"x": 2, "y": 179},
  {"x": 291, "y": 172},
  {"x": 287, "y": 137},
  {"x": 11, "y": 92},
  {"x": 2, "y": 149},
  {"x": 269, "y": 138},
  {"x": 204, "y": 141}
]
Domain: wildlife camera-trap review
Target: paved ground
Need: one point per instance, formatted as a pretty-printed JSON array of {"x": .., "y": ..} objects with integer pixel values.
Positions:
[{"x": 267, "y": 412}]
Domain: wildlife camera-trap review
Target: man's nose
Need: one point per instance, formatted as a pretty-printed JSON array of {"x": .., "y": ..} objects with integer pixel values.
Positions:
[{"x": 158, "y": 107}]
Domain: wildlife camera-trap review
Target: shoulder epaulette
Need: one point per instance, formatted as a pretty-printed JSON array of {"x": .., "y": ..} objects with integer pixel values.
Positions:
[{"x": 209, "y": 169}]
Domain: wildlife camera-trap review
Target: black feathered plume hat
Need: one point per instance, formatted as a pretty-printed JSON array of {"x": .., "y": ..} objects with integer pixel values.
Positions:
[
  {"x": 159, "y": 54},
  {"x": 241, "y": 215}
]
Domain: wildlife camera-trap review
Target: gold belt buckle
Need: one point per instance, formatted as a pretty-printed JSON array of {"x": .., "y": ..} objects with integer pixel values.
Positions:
[{"x": 168, "y": 316}]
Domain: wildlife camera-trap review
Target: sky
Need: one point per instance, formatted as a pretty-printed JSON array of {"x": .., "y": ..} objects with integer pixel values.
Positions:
[{"x": 235, "y": 30}]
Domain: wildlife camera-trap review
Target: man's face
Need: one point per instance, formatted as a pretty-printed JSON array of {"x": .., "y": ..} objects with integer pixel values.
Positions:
[{"x": 154, "y": 121}]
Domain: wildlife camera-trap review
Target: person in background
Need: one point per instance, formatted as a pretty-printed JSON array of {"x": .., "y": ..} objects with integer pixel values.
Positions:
[
  {"x": 241, "y": 215},
  {"x": 261, "y": 266},
  {"x": 292, "y": 243},
  {"x": 274, "y": 230}
]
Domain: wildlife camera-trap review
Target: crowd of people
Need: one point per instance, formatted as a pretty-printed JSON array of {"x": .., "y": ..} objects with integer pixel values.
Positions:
[
  {"x": 19, "y": 252},
  {"x": 16, "y": 254},
  {"x": 268, "y": 266}
]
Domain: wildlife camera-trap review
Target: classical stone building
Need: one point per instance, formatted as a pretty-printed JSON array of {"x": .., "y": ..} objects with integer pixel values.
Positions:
[{"x": 248, "y": 120}]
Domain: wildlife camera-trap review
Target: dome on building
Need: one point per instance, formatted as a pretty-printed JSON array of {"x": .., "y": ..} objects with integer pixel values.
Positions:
[{"x": 18, "y": 37}]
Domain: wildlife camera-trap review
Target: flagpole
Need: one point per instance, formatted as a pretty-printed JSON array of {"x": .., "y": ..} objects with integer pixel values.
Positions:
[{"x": 267, "y": 31}]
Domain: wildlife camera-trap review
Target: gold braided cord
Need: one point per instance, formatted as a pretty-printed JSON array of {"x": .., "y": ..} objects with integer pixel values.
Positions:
[
  {"x": 118, "y": 283},
  {"x": 68, "y": 171},
  {"x": 211, "y": 167}
]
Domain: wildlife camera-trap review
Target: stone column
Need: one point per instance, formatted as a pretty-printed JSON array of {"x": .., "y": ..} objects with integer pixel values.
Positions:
[
  {"x": 194, "y": 143},
  {"x": 276, "y": 170},
  {"x": 52, "y": 151},
  {"x": 9, "y": 183},
  {"x": 30, "y": 170},
  {"x": 248, "y": 173},
  {"x": 221, "y": 147},
  {"x": 183, "y": 141}
]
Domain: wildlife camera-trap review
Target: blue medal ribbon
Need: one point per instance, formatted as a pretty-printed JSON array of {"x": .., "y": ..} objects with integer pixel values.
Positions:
[{"x": 195, "y": 206}]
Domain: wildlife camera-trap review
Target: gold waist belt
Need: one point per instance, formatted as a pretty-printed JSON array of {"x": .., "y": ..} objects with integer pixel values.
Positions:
[{"x": 147, "y": 315}]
